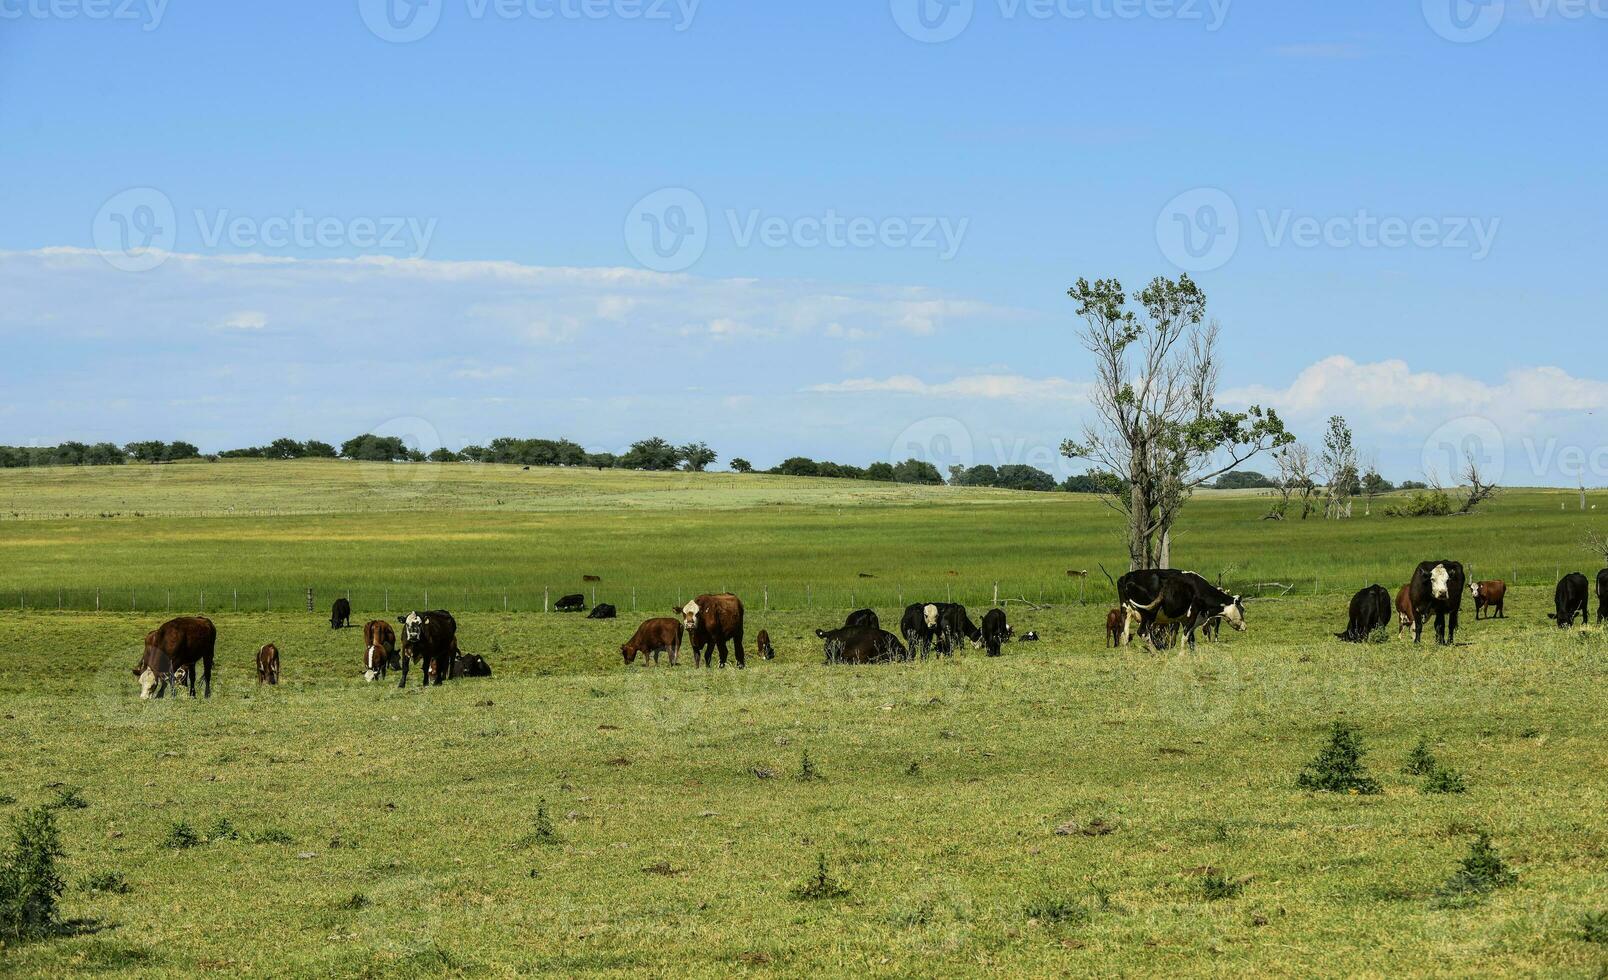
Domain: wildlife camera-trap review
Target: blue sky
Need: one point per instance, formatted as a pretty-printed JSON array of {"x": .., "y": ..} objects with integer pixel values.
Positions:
[{"x": 451, "y": 237}]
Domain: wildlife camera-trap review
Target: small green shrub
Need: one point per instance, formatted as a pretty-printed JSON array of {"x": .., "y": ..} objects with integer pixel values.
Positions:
[
  {"x": 30, "y": 884},
  {"x": 109, "y": 882},
  {"x": 181, "y": 836},
  {"x": 820, "y": 887},
  {"x": 1338, "y": 768},
  {"x": 542, "y": 831},
  {"x": 1482, "y": 872},
  {"x": 221, "y": 829},
  {"x": 1420, "y": 761},
  {"x": 1445, "y": 781},
  {"x": 1422, "y": 503},
  {"x": 68, "y": 798},
  {"x": 1216, "y": 887},
  {"x": 806, "y": 769},
  {"x": 273, "y": 835},
  {"x": 1057, "y": 910},
  {"x": 1594, "y": 927}
]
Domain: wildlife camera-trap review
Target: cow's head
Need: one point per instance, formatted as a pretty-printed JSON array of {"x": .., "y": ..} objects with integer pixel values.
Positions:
[
  {"x": 412, "y": 627},
  {"x": 689, "y": 614},
  {"x": 148, "y": 681},
  {"x": 1234, "y": 614},
  {"x": 1440, "y": 582},
  {"x": 628, "y": 653},
  {"x": 929, "y": 615},
  {"x": 1474, "y": 589}
]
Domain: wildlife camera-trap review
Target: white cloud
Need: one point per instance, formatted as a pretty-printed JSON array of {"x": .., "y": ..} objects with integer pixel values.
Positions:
[
  {"x": 245, "y": 320},
  {"x": 981, "y": 386},
  {"x": 1392, "y": 396}
]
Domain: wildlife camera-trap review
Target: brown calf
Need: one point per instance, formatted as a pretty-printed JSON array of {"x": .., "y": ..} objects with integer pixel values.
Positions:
[
  {"x": 654, "y": 637},
  {"x": 268, "y": 664},
  {"x": 1488, "y": 595},
  {"x": 377, "y": 632},
  {"x": 1404, "y": 609},
  {"x": 375, "y": 661},
  {"x": 762, "y": 641}
]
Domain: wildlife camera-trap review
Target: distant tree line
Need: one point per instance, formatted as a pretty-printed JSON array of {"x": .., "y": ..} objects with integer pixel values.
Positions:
[
  {"x": 909, "y": 471},
  {"x": 97, "y": 454}
]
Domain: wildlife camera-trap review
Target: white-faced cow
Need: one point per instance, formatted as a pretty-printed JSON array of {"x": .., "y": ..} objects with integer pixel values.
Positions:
[
  {"x": 171, "y": 652},
  {"x": 1437, "y": 588},
  {"x": 431, "y": 640},
  {"x": 1370, "y": 613},
  {"x": 919, "y": 626},
  {"x": 1570, "y": 599},
  {"x": 1163, "y": 597},
  {"x": 713, "y": 621}
]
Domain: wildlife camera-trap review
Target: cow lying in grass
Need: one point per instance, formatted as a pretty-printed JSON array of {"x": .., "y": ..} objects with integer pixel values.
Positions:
[{"x": 861, "y": 645}]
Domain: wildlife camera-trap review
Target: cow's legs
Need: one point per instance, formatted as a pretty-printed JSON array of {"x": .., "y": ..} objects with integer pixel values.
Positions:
[
  {"x": 737, "y": 649},
  {"x": 206, "y": 667},
  {"x": 404, "y": 681},
  {"x": 722, "y": 646}
]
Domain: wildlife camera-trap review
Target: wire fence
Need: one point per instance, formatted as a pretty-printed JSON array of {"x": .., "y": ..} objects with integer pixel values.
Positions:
[{"x": 373, "y": 600}]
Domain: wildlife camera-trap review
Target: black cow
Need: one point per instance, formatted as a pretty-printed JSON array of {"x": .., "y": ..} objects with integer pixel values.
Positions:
[
  {"x": 1370, "y": 612},
  {"x": 864, "y": 617},
  {"x": 602, "y": 611},
  {"x": 340, "y": 614},
  {"x": 1437, "y": 587},
  {"x": 432, "y": 639},
  {"x": 1570, "y": 599},
  {"x": 1030, "y": 637},
  {"x": 861, "y": 645},
  {"x": 995, "y": 631},
  {"x": 469, "y": 665},
  {"x": 919, "y": 626},
  {"x": 571, "y": 603},
  {"x": 1164, "y": 597},
  {"x": 953, "y": 626},
  {"x": 1602, "y": 595}
]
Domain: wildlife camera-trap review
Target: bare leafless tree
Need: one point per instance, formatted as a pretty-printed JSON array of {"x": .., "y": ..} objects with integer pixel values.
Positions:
[{"x": 1477, "y": 490}]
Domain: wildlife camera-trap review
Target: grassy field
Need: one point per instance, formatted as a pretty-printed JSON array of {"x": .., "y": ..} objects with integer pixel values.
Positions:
[{"x": 357, "y": 830}]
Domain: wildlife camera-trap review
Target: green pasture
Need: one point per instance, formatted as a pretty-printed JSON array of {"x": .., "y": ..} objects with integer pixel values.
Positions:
[{"x": 1062, "y": 810}]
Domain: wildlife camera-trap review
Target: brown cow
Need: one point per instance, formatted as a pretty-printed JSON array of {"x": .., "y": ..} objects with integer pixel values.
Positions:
[
  {"x": 1487, "y": 595},
  {"x": 171, "y": 651},
  {"x": 1404, "y": 609},
  {"x": 377, "y": 632},
  {"x": 652, "y": 638},
  {"x": 376, "y": 660},
  {"x": 1114, "y": 620},
  {"x": 763, "y": 644},
  {"x": 713, "y": 621},
  {"x": 268, "y": 664}
]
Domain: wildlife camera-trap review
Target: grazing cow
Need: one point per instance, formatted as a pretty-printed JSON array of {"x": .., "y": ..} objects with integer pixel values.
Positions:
[
  {"x": 1602, "y": 595},
  {"x": 919, "y": 626},
  {"x": 954, "y": 625},
  {"x": 602, "y": 611},
  {"x": 763, "y": 644},
  {"x": 1437, "y": 587},
  {"x": 571, "y": 603},
  {"x": 1370, "y": 613},
  {"x": 268, "y": 664},
  {"x": 861, "y": 645},
  {"x": 376, "y": 659},
  {"x": 1404, "y": 609},
  {"x": 713, "y": 621},
  {"x": 430, "y": 638},
  {"x": 340, "y": 614},
  {"x": 863, "y": 617},
  {"x": 171, "y": 652},
  {"x": 1164, "y": 597},
  {"x": 652, "y": 638},
  {"x": 1570, "y": 599},
  {"x": 1488, "y": 595},
  {"x": 591, "y": 578},
  {"x": 469, "y": 665},
  {"x": 995, "y": 631},
  {"x": 378, "y": 633}
]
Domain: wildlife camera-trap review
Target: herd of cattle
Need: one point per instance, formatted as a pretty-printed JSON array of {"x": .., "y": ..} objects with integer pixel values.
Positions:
[{"x": 1162, "y": 605}]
